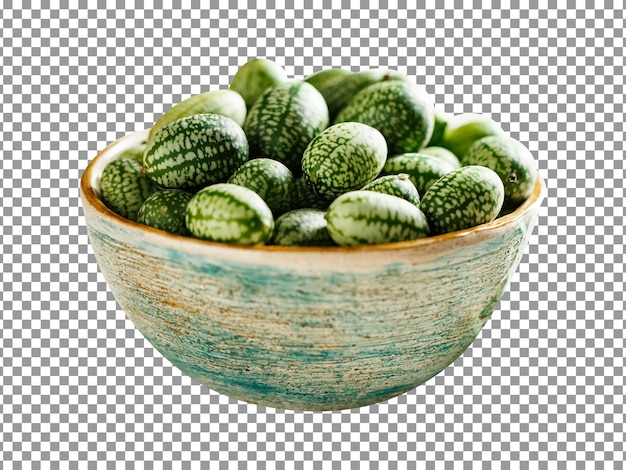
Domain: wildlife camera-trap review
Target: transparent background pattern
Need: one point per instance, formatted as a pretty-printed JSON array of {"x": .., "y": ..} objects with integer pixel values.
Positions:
[{"x": 543, "y": 384}]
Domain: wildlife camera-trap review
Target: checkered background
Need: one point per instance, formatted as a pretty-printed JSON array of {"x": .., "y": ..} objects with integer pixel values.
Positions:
[{"x": 543, "y": 382}]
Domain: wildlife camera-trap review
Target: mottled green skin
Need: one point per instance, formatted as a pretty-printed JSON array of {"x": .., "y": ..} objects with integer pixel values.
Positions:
[
  {"x": 284, "y": 120},
  {"x": 423, "y": 169},
  {"x": 444, "y": 154},
  {"x": 511, "y": 160},
  {"x": 402, "y": 111},
  {"x": 224, "y": 102},
  {"x": 307, "y": 198},
  {"x": 367, "y": 217},
  {"x": 271, "y": 180},
  {"x": 339, "y": 89},
  {"x": 195, "y": 151},
  {"x": 256, "y": 76},
  {"x": 323, "y": 79},
  {"x": 397, "y": 185},
  {"x": 229, "y": 213},
  {"x": 441, "y": 122},
  {"x": 342, "y": 158},
  {"x": 124, "y": 187},
  {"x": 465, "y": 129},
  {"x": 165, "y": 210},
  {"x": 466, "y": 197},
  {"x": 135, "y": 152},
  {"x": 302, "y": 227}
]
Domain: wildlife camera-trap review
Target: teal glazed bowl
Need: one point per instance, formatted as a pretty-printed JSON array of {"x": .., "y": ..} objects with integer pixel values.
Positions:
[{"x": 305, "y": 328}]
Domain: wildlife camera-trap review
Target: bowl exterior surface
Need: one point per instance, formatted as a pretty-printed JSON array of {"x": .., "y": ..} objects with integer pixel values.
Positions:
[{"x": 309, "y": 329}]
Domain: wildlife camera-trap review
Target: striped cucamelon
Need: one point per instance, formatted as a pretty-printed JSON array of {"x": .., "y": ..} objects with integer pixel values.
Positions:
[
  {"x": 256, "y": 76},
  {"x": 324, "y": 79},
  {"x": 368, "y": 217},
  {"x": 402, "y": 111},
  {"x": 511, "y": 160},
  {"x": 165, "y": 210},
  {"x": 195, "y": 151},
  {"x": 271, "y": 180},
  {"x": 229, "y": 213},
  {"x": 465, "y": 197},
  {"x": 423, "y": 169},
  {"x": 443, "y": 154},
  {"x": 397, "y": 185},
  {"x": 224, "y": 102},
  {"x": 283, "y": 121},
  {"x": 339, "y": 88},
  {"x": 342, "y": 158},
  {"x": 302, "y": 227},
  {"x": 124, "y": 187},
  {"x": 463, "y": 130}
]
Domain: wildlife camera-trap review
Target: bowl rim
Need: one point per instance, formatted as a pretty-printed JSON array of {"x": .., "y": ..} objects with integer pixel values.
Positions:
[{"x": 91, "y": 200}]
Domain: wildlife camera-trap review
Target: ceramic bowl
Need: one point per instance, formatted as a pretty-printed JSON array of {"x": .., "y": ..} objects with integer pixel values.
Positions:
[{"x": 305, "y": 328}]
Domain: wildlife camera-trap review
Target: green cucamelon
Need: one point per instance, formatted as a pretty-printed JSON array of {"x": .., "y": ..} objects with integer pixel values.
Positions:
[
  {"x": 339, "y": 88},
  {"x": 302, "y": 227},
  {"x": 463, "y": 130},
  {"x": 342, "y": 158},
  {"x": 124, "y": 187},
  {"x": 283, "y": 121},
  {"x": 229, "y": 213},
  {"x": 165, "y": 210},
  {"x": 256, "y": 76},
  {"x": 397, "y": 185},
  {"x": 423, "y": 169},
  {"x": 368, "y": 217},
  {"x": 443, "y": 154},
  {"x": 195, "y": 151},
  {"x": 224, "y": 102},
  {"x": 465, "y": 197},
  {"x": 271, "y": 180},
  {"x": 511, "y": 160},
  {"x": 402, "y": 111}
]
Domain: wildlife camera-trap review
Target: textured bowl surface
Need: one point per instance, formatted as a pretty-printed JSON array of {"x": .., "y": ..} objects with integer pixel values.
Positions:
[{"x": 305, "y": 328}]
